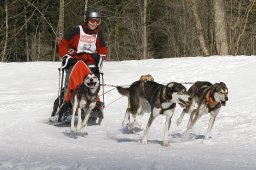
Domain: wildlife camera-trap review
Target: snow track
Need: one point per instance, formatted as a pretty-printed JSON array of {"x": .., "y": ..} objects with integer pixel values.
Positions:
[{"x": 27, "y": 92}]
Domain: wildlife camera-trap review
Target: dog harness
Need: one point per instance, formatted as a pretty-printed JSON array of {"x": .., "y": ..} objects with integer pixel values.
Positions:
[
  {"x": 162, "y": 101},
  {"x": 211, "y": 103},
  {"x": 168, "y": 108}
]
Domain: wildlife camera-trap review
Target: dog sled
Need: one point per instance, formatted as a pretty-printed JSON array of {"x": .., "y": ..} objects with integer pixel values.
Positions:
[{"x": 62, "y": 107}]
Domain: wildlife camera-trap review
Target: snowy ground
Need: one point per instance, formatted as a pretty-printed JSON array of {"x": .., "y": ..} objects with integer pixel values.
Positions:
[{"x": 27, "y": 92}]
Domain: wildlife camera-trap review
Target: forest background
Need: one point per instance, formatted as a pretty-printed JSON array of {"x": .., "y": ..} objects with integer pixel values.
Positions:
[{"x": 133, "y": 29}]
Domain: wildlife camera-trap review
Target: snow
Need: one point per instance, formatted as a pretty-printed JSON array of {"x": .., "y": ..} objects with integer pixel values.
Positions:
[{"x": 27, "y": 92}]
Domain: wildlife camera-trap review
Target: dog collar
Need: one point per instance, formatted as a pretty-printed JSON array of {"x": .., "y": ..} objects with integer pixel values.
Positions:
[{"x": 168, "y": 108}]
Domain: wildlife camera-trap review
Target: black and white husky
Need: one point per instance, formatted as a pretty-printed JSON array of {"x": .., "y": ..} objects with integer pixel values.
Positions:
[
  {"x": 84, "y": 97},
  {"x": 156, "y": 98},
  {"x": 206, "y": 98}
]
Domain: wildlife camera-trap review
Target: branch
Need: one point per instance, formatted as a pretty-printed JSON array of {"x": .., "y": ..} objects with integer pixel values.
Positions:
[
  {"x": 43, "y": 17},
  {"x": 246, "y": 20}
]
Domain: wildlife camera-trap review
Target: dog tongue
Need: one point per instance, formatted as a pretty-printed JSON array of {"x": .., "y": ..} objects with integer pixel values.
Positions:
[{"x": 91, "y": 86}]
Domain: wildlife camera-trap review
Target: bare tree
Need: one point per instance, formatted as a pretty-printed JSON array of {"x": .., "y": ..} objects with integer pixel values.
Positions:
[
  {"x": 43, "y": 15},
  {"x": 60, "y": 27},
  {"x": 242, "y": 27},
  {"x": 144, "y": 41},
  {"x": 6, "y": 30},
  {"x": 85, "y": 4},
  {"x": 61, "y": 20},
  {"x": 199, "y": 27},
  {"x": 26, "y": 33},
  {"x": 220, "y": 27}
]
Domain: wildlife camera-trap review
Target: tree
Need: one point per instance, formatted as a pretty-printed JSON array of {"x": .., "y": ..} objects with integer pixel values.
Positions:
[
  {"x": 199, "y": 27},
  {"x": 220, "y": 27},
  {"x": 60, "y": 27},
  {"x": 6, "y": 30},
  {"x": 144, "y": 41}
]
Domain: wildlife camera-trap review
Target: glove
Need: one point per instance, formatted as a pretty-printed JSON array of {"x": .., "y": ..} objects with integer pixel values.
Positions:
[
  {"x": 98, "y": 60},
  {"x": 100, "y": 65},
  {"x": 68, "y": 61},
  {"x": 96, "y": 57}
]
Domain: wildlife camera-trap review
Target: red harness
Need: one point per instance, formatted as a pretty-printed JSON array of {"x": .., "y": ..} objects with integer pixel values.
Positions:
[{"x": 210, "y": 101}]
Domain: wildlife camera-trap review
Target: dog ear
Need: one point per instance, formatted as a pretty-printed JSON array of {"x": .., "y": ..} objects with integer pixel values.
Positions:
[
  {"x": 86, "y": 75},
  {"x": 170, "y": 85},
  {"x": 214, "y": 88},
  {"x": 223, "y": 84},
  {"x": 168, "y": 93},
  {"x": 224, "y": 87}
]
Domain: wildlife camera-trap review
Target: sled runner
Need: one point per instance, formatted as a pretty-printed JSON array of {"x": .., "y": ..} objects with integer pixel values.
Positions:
[{"x": 62, "y": 108}]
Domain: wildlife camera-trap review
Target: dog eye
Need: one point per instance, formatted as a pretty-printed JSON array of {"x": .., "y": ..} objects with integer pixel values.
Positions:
[{"x": 180, "y": 92}]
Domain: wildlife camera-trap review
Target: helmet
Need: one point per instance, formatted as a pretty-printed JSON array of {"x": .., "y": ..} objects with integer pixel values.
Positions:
[{"x": 92, "y": 13}]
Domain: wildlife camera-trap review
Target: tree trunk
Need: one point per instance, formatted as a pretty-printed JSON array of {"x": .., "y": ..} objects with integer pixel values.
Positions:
[
  {"x": 26, "y": 34},
  {"x": 85, "y": 5},
  {"x": 6, "y": 30},
  {"x": 199, "y": 27},
  {"x": 61, "y": 20},
  {"x": 248, "y": 10},
  {"x": 39, "y": 46},
  {"x": 220, "y": 27},
  {"x": 145, "y": 48},
  {"x": 60, "y": 28}
]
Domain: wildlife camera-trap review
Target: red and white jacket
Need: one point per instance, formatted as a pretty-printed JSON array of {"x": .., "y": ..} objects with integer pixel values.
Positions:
[{"x": 82, "y": 40}]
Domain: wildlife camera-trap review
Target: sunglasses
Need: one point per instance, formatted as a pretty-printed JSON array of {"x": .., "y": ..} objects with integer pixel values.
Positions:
[{"x": 94, "y": 21}]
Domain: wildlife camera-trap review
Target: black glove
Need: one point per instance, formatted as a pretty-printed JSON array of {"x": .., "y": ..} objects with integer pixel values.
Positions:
[
  {"x": 98, "y": 61},
  {"x": 96, "y": 57},
  {"x": 68, "y": 61}
]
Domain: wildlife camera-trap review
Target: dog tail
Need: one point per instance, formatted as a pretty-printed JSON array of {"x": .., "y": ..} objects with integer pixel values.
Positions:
[{"x": 123, "y": 91}]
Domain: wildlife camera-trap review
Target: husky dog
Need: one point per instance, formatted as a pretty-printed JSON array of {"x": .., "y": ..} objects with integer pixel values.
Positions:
[
  {"x": 124, "y": 92},
  {"x": 84, "y": 97},
  {"x": 156, "y": 98},
  {"x": 209, "y": 98}
]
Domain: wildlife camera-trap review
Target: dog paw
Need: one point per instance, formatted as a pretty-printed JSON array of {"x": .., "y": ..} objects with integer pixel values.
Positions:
[
  {"x": 124, "y": 124},
  {"x": 73, "y": 129},
  {"x": 208, "y": 141},
  {"x": 139, "y": 125},
  {"x": 144, "y": 141},
  {"x": 85, "y": 133},
  {"x": 130, "y": 127},
  {"x": 53, "y": 118},
  {"x": 178, "y": 122},
  {"x": 188, "y": 131},
  {"x": 166, "y": 144},
  {"x": 133, "y": 125},
  {"x": 79, "y": 127},
  {"x": 207, "y": 136}
]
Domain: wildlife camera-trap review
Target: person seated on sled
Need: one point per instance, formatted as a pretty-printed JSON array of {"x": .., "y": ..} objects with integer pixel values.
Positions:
[{"x": 84, "y": 42}]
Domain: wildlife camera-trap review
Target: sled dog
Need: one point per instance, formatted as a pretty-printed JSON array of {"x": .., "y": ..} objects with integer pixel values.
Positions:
[
  {"x": 84, "y": 97},
  {"x": 209, "y": 98},
  {"x": 156, "y": 98},
  {"x": 121, "y": 90}
]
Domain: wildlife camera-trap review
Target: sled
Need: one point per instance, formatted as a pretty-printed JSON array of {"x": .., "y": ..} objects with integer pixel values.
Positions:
[
  {"x": 62, "y": 105},
  {"x": 95, "y": 119}
]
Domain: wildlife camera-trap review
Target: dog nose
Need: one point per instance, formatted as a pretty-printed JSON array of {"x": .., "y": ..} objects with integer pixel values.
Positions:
[{"x": 226, "y": 98}]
